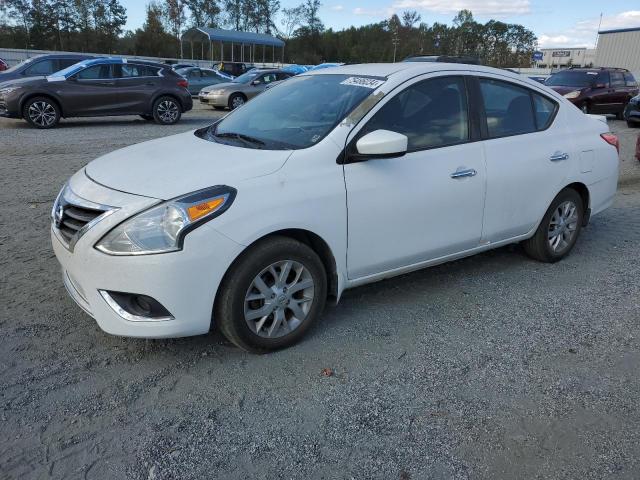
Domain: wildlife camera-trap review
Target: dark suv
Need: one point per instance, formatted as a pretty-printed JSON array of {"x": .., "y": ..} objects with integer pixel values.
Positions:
[
  {"x": 596, "y": 90},
  {"x": 234, "y": 69},
  {"x": 102, "y": 86},
  {"x": 42, "y": 65}
]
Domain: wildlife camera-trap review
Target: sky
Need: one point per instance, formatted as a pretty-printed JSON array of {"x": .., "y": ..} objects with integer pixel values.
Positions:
[{"x": 556, "y": 23}]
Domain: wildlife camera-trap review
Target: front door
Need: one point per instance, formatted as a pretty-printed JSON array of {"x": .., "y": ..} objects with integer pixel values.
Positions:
[
  {"x": 91, "y": 91},
  {"x": 427, "y": 203}
]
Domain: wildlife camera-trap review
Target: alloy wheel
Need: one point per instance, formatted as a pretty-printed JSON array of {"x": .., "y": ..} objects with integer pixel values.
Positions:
[
  {"x": 168, "y": 111},
  {"x": 279, "y": 299},
  {"x": 42, "y": 113},
  {"x": 237, "y": 101},
  {"x": 563, "y": 226}
]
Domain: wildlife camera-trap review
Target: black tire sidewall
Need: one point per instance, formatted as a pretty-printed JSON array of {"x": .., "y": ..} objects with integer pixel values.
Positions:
[
  {"x": 31, "y": 101},
  {"x": 568, "y": 194},
  {"x": 156, "y": 117},
  {"x": 230, "y": 308}
]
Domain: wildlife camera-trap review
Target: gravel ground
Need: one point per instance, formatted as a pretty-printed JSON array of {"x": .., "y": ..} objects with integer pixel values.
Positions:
[{"x": 490, "y": 367}]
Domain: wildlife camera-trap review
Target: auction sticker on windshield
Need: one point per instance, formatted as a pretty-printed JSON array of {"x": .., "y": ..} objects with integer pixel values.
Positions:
[{"x": 363, "y": 82}]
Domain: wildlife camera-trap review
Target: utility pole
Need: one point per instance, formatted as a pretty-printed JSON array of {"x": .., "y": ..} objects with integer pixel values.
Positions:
[{"x": 395, "y": 40}]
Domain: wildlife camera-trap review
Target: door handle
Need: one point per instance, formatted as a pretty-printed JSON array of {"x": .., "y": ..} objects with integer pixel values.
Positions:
[
  {"x": 464, "y": 173},
  {"x": 559, "y": 156}
]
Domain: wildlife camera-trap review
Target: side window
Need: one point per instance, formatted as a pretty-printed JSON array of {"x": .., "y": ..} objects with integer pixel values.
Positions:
[
  {"x": 45, "y": 67},
  {"x": 432, "y": 113},
  {"x": 603, "y": 79},
  {"x": 96, "y": 72},
  {"x": 629, "y": 80},
  {"x": 132, "y": 70},
  {"x": 545, "y": 110},
  {"x": 617, "y": 79},
  {"x": 195, "y": 73},
  {"x": 269, "y": 77},
  {"x": 209, "y": 74},
  {"x": 508, "y": 108}
]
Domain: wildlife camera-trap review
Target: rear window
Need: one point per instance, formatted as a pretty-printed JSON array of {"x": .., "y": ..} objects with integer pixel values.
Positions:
[
  {"x": 572, "y": 79},
  {"x": 133, "y": 70},
  {"x": 629, "y": 80},
  {"x": 617, "y": 79}
]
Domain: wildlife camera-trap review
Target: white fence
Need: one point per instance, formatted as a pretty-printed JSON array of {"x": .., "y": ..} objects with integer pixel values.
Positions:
[{"x": 14, "y": 56}]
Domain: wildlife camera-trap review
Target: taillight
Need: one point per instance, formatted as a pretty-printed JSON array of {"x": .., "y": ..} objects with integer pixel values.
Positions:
[
  {"x": 183, "y": 83},
  {"x": 611, "y": 139}
]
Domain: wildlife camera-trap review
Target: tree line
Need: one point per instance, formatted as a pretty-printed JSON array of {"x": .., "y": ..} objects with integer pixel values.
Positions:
[{"x": 98, "y": 26}]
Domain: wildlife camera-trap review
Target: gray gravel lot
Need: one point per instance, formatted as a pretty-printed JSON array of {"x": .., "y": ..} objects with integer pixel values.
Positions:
[{"x": 490, "y": 367}]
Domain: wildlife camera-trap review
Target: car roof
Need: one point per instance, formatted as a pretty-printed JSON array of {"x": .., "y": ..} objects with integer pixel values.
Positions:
[
  {"x": 387, "y": 70},
  {"x": 123, "y": 61},
  {"x": 79, "y": 56}
]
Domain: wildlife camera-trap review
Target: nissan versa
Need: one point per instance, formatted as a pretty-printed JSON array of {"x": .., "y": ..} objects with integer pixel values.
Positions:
[{"x": 334, "y": 179}]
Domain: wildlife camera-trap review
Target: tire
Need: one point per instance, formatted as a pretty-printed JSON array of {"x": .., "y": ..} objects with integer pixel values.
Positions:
[
  {"x": 258, "y": 332},
  {"x": 540, "y": 246},
  {"x": 41, "y": 112},
  {"x": 148, "y": 118},
  {"x": 236, "y": 100},
  {"x": 166, "y": 111},
  {"x": 631, "y": 124}
]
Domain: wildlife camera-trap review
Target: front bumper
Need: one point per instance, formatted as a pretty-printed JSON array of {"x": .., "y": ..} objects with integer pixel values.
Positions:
[
  {"x": 8, "y": 109},
  {"x": 221, "y": 100},
  {"x": 184, "y": 282},
  {"x": 632, "y": 112}
]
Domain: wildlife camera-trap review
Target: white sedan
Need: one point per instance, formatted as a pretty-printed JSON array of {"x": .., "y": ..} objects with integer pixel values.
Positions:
[{"x": 336, "y": 178}]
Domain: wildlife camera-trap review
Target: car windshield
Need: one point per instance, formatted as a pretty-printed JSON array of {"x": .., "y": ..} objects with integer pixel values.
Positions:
[
  {"x": 572, "y": 79},
  {"x": 19, "y": 65},
  {"x": 297, "y": 114},
  {"x": 245, "y": 77}
]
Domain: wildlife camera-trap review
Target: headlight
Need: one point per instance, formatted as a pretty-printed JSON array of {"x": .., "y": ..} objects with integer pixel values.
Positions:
[
  {"x": 162, "y": 228},
  {"x": 574, "y": 94},
  {"x": 6, "y": 91}
]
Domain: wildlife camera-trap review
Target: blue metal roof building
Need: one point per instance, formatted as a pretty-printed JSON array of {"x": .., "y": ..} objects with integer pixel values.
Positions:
[{"x": 212, "y": 45}]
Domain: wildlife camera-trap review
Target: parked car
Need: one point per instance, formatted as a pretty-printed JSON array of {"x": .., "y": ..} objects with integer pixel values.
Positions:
[
  {"x": 596, "y": 90},
  {"x": 234, "y": 69},
  {"x": 325, "y": 65},
  {"x": 444, "y": 59},
  {"x": 3, "y": 65},
  {"x": 97, "y": 87},
  {"x": 41, "y": 66},
  {"x": 327, "y": 182},
  {"x": 632, "y": 112},
  {"x": 539, "y": 78},
  {"x": 178, "y": 66},
  {"x": 237, "y": 92},
  {"x": 200, "y": 77}
]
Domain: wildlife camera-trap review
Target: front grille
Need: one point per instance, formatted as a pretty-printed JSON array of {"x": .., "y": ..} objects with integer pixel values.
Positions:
[{"x": 73, "y": 219}]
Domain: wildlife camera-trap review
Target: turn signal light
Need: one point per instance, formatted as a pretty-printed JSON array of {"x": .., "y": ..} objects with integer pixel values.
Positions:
[
  {"x": 200, "y": 210},
  {"x": 611, "y": 139}
]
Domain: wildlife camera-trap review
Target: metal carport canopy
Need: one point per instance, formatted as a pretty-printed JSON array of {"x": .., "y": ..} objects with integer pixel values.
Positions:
[{"x": 230, "y": 36}]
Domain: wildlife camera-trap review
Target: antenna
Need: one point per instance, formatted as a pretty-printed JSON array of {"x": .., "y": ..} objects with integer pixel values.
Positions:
[{"x": 598, "y": 32}]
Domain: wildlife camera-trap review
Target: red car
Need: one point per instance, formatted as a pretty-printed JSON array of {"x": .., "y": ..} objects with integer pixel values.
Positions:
[{"x": 3, "y": 65}]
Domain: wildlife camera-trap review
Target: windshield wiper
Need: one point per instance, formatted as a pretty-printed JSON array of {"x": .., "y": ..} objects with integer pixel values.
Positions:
[{"x": 240, "y": 136}]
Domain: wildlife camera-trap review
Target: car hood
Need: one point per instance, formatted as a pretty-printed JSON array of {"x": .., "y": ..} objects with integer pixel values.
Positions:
[
  {"x": 21, "y": 82},
  {"x": 224, "y": 86},
  {"x": 172, "y": 166},
  {"x": 564, "y": 90}
]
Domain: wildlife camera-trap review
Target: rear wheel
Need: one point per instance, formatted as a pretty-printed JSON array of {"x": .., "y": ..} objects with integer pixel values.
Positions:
[
  {"x": 41, "y": 112},
  {"x": 166, "y": 111},
  {"x": 271, "y": 296},
  {"x": 631, "y": 124},
  {"x": 559, "y": 229}
]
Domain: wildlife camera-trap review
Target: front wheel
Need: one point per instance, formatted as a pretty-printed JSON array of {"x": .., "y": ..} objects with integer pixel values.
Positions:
[
  {"x": 559, "y": 229},
  {"x": 166, "y": 111},
  {"x": 271, "y": 296},
  {"x": 41, "y": 112},
  {"x": 236, "y": 100}
]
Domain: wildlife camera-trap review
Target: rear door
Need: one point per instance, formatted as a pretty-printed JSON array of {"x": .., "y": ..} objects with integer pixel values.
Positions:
[
  {"x": 135, "y": 85},
  {"x": 601, "y": 92},
  {"x": 619, "y": 96},
  {"x": 527, "y": 152},
  {"x": 91, "y": 91}
]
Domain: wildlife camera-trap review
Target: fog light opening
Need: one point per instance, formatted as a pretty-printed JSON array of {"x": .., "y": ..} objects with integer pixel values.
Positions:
[{"x": 136, "y": 307}]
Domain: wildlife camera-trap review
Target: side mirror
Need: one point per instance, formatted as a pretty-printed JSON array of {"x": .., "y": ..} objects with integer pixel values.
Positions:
[
  {"x": 255, "y": 82},
  {"x": 380, "y": 144}
]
